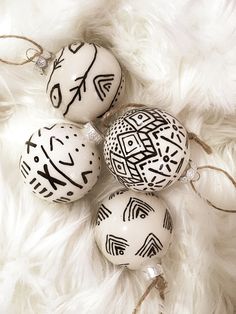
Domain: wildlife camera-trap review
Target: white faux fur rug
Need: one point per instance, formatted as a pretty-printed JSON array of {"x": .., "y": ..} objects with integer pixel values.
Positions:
[{"x": 178, "y": 55}]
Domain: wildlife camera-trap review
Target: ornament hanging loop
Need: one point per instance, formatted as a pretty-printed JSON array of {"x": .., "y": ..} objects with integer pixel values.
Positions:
[
  {"x": 39, "y": 56},
  {"x": 37, "y": 52},
  {"x": 233, "y": 181},
  {"x": 194, "y": 137},
  {"x": 159, "y": 283}
]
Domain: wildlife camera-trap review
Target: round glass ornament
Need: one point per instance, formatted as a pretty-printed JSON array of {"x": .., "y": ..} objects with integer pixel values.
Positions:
[
  {"x": 59, "y": 164},
  {"x": 146, "y": 149},
  {"x": 133, "y": 229},
  {"x": 84, "y": 81}
]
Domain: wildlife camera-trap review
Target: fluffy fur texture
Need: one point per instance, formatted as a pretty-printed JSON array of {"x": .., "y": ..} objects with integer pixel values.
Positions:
[{"x": 179, "y": 55}]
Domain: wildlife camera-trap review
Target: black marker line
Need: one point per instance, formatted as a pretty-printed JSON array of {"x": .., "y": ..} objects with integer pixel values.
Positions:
[
  {"x": 36, "y": 186},
  {"x": 168, "y": 140},
  {"x": 43, "y": 190},
  {"x": 26, "y": 165},
  {"x": 64, "y": 175}
]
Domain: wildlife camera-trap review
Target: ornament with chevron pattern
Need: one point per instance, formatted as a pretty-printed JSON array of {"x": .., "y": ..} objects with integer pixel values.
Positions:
[{"x": 133, "y": 229}]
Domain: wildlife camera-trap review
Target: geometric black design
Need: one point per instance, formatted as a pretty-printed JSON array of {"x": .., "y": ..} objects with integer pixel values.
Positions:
[
  {"x": 75, "y": 47},
  {"x": 119, "y": 165},
  {"x": 43, "y": 191},
  {"x": 125, "y": 264},
  {"x": 84, "y": 174},
  {"x": 60, "y": 171},
  {"x": 102, "y": 214},
  {"x": 23, "y": 174},
  {"x": 116, "y": 96},
  {"x": 25, "y": 169},
  {"x": 81, "y": 86},
  {"x": 172, "y": 142},
  {"x": 62, "y": 200},
  {"x": 152, "y": 245},
  {"x": 56, "y": 65},
  {"x": 141, "y": 119},
  {"x": 131, "y": 144},
  {"x": 27, "y": 166},
  {"x": 33, "y": 180},
  {"x": 29, "y": 143},
  {"x": 146, "y": 149},
  {"x": 180, "y": 165},
  {"x": 66, "y": 163},
  {"x": 136, "y": 208},
  {"x": 48, "y": 195},
  {"x": 66, "y": 199},
  {"x": 118, "y": 91},
  {"x": 37, "y": 185},
  {"x": 53, "y": 181},
  {"x": 53, "y": 138},
  {"x": 56, "y": 96},
  {"x": 167, "y": 222},
  {"x": 50, "y": 128},
  {"x": 102, "y": 84},
  {"x": 115, "y": 245}
]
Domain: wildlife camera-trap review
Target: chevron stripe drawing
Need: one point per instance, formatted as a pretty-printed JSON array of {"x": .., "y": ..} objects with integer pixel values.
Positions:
[{"x": 102, "y": 84}]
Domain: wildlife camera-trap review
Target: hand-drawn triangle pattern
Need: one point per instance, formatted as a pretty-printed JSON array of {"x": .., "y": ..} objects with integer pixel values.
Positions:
[
  {"x": 150, "y": 247},
  {"x": 167, "y": 222},
  {"x": 102, "y": 84},
  {"x": 135, "y": 209},
  {"x": 75, "y": 47},
  {"x": 115, "y": 245},
  {"x": 103, "y": 213}
]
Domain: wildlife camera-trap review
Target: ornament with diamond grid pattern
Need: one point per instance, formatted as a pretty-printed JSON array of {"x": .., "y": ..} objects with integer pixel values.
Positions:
[{"x": 147, "y": 149}]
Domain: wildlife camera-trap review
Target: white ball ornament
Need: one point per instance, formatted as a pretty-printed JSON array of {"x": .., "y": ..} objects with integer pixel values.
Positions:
[
  {"x": 84, "y": 81},
  {"x": 146, "y": 149},
  {"x": 133, "y": 229},
  {"x": 59, "y": 164}
]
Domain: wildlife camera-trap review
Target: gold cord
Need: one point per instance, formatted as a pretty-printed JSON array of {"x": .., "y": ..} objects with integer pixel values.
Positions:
[
  {"x": 194, "y": 137},
  {"x": 209, "y": 202},
  {"x": 29, "y": 59},
  {"x": 158, "y": 282}
]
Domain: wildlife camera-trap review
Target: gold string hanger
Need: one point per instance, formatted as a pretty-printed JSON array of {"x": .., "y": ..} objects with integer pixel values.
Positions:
[
  {"x": 40, "y": 57},
  {"x": 195, "y": 175},
  {"x": 37, "y": 53},
  {"x": 233, "y": 181},
  {"x": 159, "y": 283}
]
